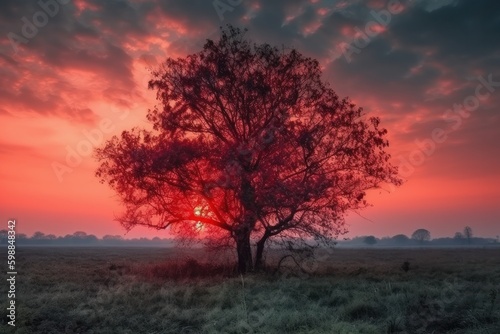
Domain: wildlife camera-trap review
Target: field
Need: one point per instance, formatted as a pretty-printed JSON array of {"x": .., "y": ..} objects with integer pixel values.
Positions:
[{"x": 154, "y": 290}]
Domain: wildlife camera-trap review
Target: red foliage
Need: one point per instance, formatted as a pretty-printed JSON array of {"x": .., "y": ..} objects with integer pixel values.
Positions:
[{"x": 252, "y": 136}]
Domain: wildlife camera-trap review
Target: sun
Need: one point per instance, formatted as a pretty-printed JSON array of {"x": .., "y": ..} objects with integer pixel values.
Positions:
[{"x": 197, "y": 212}]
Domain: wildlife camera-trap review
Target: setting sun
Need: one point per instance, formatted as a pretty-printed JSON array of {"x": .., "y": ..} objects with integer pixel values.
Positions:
[
  {"x": 197, "y": 211},
  {"x": 199, "y": 224}
]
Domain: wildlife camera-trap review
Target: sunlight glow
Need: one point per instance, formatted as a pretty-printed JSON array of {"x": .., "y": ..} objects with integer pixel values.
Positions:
[
  {"x": 199, "y": 226},
  {"x": 197, "y": 211}
]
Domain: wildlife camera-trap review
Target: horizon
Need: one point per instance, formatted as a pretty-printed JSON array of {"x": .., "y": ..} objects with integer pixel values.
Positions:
[
  {"x": 339, "y": 239},
  {"x": 67, "y": 89}
]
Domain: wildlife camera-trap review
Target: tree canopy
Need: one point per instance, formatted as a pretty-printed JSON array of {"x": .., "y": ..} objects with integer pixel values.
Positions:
[
  {"x": 468, "y": 233},
  {"x": 247, "y": 144},
  {"x": 370, "y": 240},
  {"x": 400, "y": 238},
  {"x": 421, "y": 235}
]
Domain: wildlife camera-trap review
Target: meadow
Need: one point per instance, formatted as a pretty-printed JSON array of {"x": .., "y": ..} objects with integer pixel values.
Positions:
[{"x": 174, "y": 290}]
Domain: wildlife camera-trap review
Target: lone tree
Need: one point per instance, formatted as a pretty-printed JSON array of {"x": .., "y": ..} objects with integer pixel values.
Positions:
[
  {"x": 459, "y": 237},
  {"x": 248, "y": 144},
  {"x": 400, "y": 239},
  {"x": 468, "y": 234},
  {"x": 370, "y": 240},
  {"x": 421, "y": 235}
]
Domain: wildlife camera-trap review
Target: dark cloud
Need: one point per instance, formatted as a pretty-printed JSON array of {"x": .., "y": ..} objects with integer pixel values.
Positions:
[
  {"x": 403, "y": 70},
  {"x": 461, "y": 32}
]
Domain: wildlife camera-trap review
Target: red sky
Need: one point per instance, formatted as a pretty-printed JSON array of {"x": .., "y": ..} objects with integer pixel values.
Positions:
[{"x": 84, "y": 72}]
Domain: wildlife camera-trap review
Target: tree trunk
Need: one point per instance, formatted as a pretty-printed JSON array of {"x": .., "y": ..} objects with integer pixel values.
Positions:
[
  {"x": 244, "y": 252},
  {"x": 242, "y": 233},
  {"x": 260, "y": 251}
]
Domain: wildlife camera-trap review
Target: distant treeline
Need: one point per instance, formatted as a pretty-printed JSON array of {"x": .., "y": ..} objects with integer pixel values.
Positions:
[
  {"x": 83, "y": 239},
  {"x": 402, "y": 240}
]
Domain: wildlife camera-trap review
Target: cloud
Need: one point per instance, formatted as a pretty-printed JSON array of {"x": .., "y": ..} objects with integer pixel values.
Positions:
[{"x": 423, "y": 60}]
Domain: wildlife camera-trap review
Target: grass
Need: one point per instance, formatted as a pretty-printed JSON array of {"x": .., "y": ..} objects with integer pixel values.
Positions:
[{"x": 125, "y": 290}]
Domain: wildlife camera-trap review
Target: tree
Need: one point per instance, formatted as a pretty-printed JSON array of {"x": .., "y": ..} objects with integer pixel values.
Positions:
[
  {"x": 3, "y": 236},
  {"x": 459, "y": 237},
  {"x": 370, "y": 240},
  {"x": 108, "y": 237},
  {"x": 421, "y": 235},
  {"x": 21, "y": 236},
  {"x": 38, "y": 236},
  {"x": 400, "y": 239},
  {"x": 248, "y": 145},
  {"x": 468, "y": 234},
  {"x": 80, "y": 235}
]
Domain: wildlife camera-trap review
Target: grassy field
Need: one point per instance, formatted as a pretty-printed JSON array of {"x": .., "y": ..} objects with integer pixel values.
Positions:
[{"x": 152, "y": 290}]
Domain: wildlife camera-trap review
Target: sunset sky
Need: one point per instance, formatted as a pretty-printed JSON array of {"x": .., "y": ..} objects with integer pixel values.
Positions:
[{"x": 429, "y": 69}]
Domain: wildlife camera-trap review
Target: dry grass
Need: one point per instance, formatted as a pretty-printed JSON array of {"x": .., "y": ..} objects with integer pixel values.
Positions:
[{"x": 119, "y": 290}]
